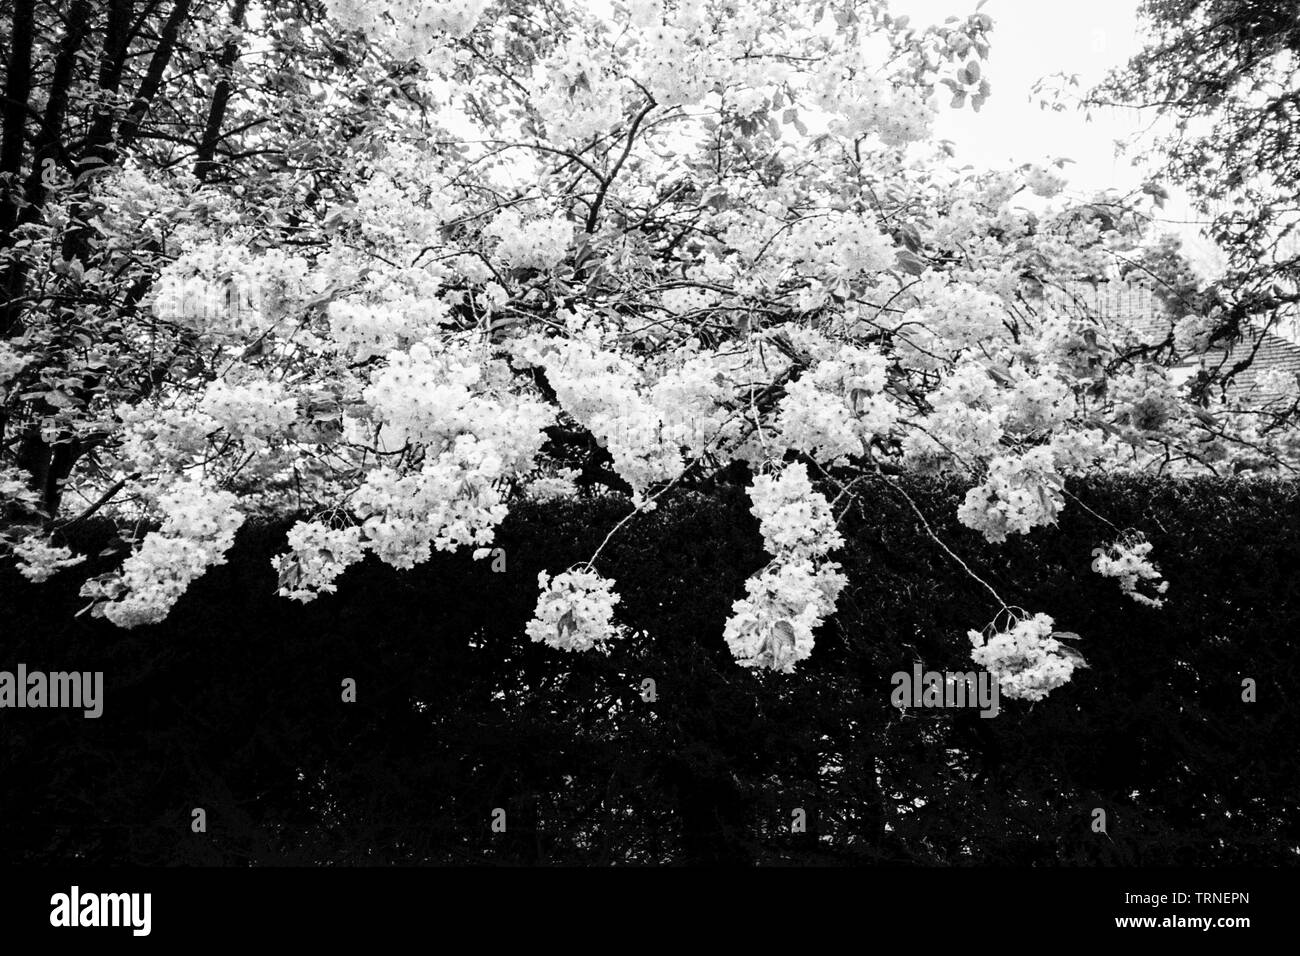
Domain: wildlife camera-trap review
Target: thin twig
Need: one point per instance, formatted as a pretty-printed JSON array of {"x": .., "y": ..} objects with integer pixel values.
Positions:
[{"x": 934, "y": 537}]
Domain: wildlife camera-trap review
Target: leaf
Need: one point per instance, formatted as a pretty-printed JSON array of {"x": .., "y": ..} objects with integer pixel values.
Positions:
[
  {"x": 566, "y": 623},
  {"x": 290, "y": 575},
  {"x": 958, "y": 100},
  {"x": 93, "y": 171},
  {"x": 1075, "y": 656},
  {"x": 911, "y": 263},
  {"x": 715, "y": 196},
  {"x": 784, "y": 629}
]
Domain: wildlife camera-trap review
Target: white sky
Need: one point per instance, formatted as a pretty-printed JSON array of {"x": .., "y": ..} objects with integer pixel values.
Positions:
[{"x": 1032, "y": 39}]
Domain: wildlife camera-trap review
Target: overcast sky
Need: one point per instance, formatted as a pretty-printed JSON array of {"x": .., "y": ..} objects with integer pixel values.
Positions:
[{"x": 1032, "y": 39}]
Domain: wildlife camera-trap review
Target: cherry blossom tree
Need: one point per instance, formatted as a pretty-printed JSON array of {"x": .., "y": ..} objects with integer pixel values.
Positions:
[{"x": 515, "y": 250}]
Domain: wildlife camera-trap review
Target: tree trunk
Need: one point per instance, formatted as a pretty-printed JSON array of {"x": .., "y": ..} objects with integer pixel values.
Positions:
[{"x": 205, "y": 165}]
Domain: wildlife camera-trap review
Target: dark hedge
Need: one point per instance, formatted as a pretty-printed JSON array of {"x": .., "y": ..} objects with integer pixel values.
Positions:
[{"x": 233, "y": 703}]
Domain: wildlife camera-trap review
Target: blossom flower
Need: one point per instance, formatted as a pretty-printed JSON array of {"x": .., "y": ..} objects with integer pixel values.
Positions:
[
  {"x": 575, "y": 611},
  {"x": 1127, "y": 560},
  {"x": 317, "y": 555},
  {"x": 39, "y": 560},
  {"x": 1027, "y": 661},
  {"x": 11, "y": 363},
  {"x": 535, "y": 244},
  {"x": 1044, "y": 182},
  {"x": 198, "y": 530},
  {"x": 773, "y": 626},
  {"x": 1020, "y": 493}
]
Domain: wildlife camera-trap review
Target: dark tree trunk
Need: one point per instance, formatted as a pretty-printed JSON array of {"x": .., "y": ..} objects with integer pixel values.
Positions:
[
  {"x": 205, "y": 165},
  {"x": 13, "y": 131}
]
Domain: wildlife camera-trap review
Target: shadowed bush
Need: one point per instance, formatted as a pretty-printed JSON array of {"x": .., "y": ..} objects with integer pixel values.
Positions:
[{"x": 233, "y": 704}]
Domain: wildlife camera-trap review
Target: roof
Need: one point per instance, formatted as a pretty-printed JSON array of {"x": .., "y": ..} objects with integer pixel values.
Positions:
[{"x": 1137, "y": 308}]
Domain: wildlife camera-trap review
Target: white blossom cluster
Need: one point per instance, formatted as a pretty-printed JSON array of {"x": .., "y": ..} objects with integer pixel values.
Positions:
[
  {"x": 605, "y": 393},
  {"x": 678, "y": 61},
  {"x": 39, "y": 560},
  {"x": 965, "y": 426},
  {"x": 15, "y": 489},
  {"x": 833, "y": 411},
  {"x": 318, "y": 554},
  {"x": 431, "y": 397},
  {"x": 391, "y": 309},
  {"x": 1026, "y": 660},
  {"x": 949, "y": 317},
  {"x": 839, "y": 247},
  {"x": 198, "y": 529},
  {"x": 687, "y": 299},
  {"x": 453, "y": 500},
  {"x": 11, "y": 363},
  {"x": 577, "y": 92},
  {"x": 575, "y": 611},
  {"x": 858, "y": 101},
  {"x": 409, "y": 29},
  {"x": 1278, "y": 385},
  {"x": 366, "y": 329},
  {"x": 692, "y": 396},
  {"x": 1039, "y": 401},
  {"x": 1045, "y": 182},
  {"x": 406, "y": 199},
  {"x": 551, "y": 487},
  {"x": 772, "y": 627},
  {"x": 252, "y": 410},
  {"x": 1128, "y": 561},
  {"x": 164, "y": 440},
  {"x": 1020, "y": 492},
  {"x": 529, "y": 244},
  {"x": 222, "y": 287},
  {"x": 1192, "y": 334},
  {"x": 450, "y": 437}
]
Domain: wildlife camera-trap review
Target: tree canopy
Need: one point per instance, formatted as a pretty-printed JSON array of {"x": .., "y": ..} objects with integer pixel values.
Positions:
[
  {"x": 392, "y": 269},
  {"x": 1225, "y": 75}
]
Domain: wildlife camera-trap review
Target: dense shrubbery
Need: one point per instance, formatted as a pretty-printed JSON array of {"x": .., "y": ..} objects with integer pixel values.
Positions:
[{"x": 233, "y": 702}]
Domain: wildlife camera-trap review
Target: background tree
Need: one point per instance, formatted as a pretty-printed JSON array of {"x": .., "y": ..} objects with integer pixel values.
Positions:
[
  {"x": 398, "y": 270},
  {"x": 1225, "y": 74}
]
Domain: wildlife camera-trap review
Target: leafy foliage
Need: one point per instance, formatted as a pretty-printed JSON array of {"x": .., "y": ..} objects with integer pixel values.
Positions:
[
  {"x": 458, "y": 713},
  {"x": 1226, "y": 76}
]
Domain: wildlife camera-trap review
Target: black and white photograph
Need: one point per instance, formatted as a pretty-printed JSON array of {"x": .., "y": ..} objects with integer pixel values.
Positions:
[{"x": 769, "y": 456}]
